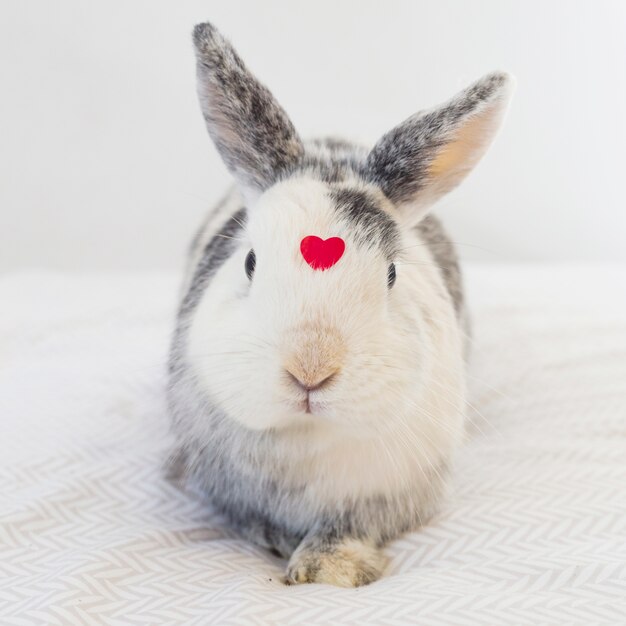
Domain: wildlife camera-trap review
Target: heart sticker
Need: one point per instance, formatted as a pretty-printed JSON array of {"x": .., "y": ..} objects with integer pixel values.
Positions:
[{"x": 321, "y": 254}]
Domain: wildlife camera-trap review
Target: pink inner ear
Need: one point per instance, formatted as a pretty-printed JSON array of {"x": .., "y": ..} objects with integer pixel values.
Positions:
[{"x": 321, "y": 254}]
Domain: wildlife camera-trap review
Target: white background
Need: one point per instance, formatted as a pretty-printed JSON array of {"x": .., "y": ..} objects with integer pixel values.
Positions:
[{"x": 105, "y": 162}]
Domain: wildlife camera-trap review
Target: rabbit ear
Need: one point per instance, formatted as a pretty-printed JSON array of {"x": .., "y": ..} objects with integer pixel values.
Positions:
[
  {"x": 431, "y": 152},
  {"x": 251, "y": 131}
]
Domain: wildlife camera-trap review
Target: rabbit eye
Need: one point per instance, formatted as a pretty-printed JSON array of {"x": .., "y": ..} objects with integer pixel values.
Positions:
[
  {"x": 391, "y": 275},
  {"x": 250, "y": 264}
]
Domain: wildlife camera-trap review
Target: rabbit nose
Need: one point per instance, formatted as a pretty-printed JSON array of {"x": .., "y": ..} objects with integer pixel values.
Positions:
[
  {"x": 313, "y": 355},
  {"x": 311, "y": 383}
]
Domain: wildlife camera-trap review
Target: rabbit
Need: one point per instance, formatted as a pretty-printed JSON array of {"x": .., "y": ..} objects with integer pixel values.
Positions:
[{"x": 317, "y": 368}]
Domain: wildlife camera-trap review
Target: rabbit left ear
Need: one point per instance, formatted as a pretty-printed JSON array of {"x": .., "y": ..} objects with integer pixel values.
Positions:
[
  {"x": 431, "y": 153},
  {"x": 251, "y": 131}
]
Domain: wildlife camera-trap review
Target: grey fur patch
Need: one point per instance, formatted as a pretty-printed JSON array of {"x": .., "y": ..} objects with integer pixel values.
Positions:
[
  {"x": 216, "y": 252},
  {"x": 252, "y": 132},
  {"x": 219, "y": 248},
  {"x": 372, "y": 226},
  {"x": 399, "y": 162},
  {"x": 445, "y": 256},
  {"x": 332, "y": 160}
]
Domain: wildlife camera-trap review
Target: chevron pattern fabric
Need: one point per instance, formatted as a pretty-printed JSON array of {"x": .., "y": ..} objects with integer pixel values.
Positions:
[{"x": 533, "y": 531}]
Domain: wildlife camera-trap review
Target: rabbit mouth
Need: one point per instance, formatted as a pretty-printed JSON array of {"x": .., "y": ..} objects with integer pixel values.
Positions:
[
  {"x": 313, "y": 406},
  {"x": 309, "y": 405}
]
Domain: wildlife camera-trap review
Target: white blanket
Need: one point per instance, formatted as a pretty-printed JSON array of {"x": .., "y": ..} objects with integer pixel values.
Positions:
[{"x": 533, "y": 532}]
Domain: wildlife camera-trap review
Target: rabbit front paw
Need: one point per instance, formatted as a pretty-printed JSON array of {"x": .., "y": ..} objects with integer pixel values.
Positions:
[{"x": 344, "y": 562}]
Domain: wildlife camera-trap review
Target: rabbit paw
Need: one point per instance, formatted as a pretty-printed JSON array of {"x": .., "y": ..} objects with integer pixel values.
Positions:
[{"x": 345, "y": 562}]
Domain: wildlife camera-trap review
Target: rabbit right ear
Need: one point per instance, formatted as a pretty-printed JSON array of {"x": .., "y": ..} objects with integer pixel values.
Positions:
[{"x": 251, "y": 131}]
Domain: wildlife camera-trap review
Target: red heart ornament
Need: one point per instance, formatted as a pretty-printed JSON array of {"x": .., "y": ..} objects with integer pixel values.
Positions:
[{"x": 321, "y": 254}]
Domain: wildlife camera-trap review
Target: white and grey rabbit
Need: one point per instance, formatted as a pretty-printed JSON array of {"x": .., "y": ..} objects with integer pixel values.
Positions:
[{"x": 317, "y": 385}]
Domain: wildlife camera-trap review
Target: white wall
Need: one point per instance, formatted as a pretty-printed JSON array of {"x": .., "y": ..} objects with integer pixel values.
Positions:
[{"x": 105, "y": 162}]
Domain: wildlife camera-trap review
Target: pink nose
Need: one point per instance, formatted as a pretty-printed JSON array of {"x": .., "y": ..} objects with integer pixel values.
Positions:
[{"x": 311, "y": 384}]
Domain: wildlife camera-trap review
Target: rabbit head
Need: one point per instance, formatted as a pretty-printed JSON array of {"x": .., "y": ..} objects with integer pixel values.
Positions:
[{"x": 325, "y": 309}]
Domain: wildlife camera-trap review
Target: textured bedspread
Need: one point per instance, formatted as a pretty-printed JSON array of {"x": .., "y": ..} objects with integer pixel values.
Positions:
[{"x": 534, "y": 530}]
